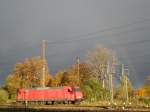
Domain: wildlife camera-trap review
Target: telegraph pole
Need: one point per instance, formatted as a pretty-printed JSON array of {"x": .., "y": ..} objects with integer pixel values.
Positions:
[
  {"x": 111, "y": 89},
  {"x": 122, "y": 69},
  {"x": 78, "y": 68},
  {"x": 126, "y": 88},
  {"x": 125, "y": 80},
  {"x": 44, "y": 62},
  {"x": 108, "y": 69},
  {"x": 110, "y": 83},
  {"x": 103, "y": 78}
]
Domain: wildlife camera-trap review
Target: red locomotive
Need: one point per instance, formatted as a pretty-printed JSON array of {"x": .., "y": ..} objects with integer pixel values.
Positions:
[{"x": 65, "y": 94}]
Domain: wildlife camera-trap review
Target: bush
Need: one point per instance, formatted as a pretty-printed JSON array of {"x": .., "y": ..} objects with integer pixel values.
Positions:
[
  {"x": 92, "y": 90},
  {"x": 145, "y": 101},
  {"x": 3, "y": 96}
]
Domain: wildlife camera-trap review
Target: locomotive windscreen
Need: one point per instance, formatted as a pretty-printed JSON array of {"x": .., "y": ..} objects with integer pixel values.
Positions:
[{"x": 77, "y": 89}]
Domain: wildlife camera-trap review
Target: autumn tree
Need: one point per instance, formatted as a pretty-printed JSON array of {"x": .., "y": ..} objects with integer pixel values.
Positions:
[
  {"x": 98, "y": 59},
  {"x": 70, "y": 77},
  {"x": 12, "y": 83},
  {"x": 27, "y": 74},
  {"x": 146, "y": 88},
  {"x": 143, "y": 93},
  {"x": 57, "y": 79},
  {"x": 85, "y": 80},
  {"x": 85, "y": 73},
  {"x": 121, "y": 90}
]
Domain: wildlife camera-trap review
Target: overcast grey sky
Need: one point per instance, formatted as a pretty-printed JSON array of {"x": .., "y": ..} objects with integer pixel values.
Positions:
[{"x": 123, "y": 25}]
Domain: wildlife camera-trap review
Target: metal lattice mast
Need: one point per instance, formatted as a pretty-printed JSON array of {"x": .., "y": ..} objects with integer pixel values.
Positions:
[
  {"x": 43, "y": 62},
  {"x": 125, "y": 82},
  {"x": 78, "y": 68}
]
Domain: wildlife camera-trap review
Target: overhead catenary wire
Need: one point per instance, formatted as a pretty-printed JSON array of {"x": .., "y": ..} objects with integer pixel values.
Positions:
[
  {"x": 78, "y": 38},
  {"x": 97, "y": 32},
  {"x": 105, "y": 30},
  {"x": 89, "y": 35}
]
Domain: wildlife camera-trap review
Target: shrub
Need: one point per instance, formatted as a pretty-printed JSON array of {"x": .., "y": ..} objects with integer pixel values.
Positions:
[
  {"x": 3, "y": 96},
  {"x": 92, "y": 90}
]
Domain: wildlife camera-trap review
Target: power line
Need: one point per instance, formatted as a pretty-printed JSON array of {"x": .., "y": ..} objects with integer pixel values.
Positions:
[
  {"x": 64, "y": 41},
  {"x": 118, "y": 34},
  {"x": 131, "y": 43},
  {"x": 105, "y": 30},
  {"x": 126, "y": 44},
  {"x": 101, "y": 31}
]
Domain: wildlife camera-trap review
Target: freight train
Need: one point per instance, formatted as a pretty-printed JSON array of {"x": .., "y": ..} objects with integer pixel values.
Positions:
[{"x": 47, "y": 95}]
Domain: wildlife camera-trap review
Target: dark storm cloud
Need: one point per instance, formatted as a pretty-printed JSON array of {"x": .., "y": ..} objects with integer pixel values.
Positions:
[{"x": 24, "y": 23}]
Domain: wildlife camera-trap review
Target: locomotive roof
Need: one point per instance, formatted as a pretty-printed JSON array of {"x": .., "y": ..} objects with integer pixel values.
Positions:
[
  {"x": 45, "y": 88},
  {"x": 41, "y": 88}
]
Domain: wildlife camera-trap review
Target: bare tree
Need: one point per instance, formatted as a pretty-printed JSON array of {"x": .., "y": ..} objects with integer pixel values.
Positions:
[{"x": 101, "y": 61}]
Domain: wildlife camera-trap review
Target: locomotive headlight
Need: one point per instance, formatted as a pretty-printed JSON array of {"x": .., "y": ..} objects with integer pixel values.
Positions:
[{"x": 79, "y": 97}]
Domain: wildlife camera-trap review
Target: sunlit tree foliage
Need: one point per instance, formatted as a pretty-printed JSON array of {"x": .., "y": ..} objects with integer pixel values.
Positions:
[
  {"x": 27, "y": 74},
  {"x": 3, "y": 96},
  {"x": 121, "y": 90},
  {"x": 98, "y": 59}
]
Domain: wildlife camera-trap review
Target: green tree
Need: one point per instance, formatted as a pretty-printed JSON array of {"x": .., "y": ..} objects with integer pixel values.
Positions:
[
  {"x": 3, "y": 96},
  {"x": 92, "y": 90},
  {"x": 11, "y": 85}
]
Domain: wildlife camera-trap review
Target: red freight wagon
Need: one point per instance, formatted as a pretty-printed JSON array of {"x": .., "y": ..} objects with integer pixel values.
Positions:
[{"x": 50, "y": 94}]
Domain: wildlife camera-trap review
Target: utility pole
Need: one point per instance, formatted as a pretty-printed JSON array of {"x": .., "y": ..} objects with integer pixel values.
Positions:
[
  {"x": 103, "y": 78},
  {"x": 78, "y": 68},
  {"x": 110, "y": 83},
  {"x": 107, "y": 73},
  {"x": 125, "y": 82},
  {"x": 44, "y": 62},
  {"x": 111, "y": 89},
  {"x": 126, "y": 88},
  {"x": 122, "y": 69}
]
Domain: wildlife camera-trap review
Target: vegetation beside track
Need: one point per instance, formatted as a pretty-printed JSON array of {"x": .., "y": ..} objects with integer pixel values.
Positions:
[{"x": 89, "y": 75}]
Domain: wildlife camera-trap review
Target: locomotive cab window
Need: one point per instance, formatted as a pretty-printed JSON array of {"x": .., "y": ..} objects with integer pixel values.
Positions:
[
  {"x": 77, "y": 89},
  {"x": 69, "y": 90}
]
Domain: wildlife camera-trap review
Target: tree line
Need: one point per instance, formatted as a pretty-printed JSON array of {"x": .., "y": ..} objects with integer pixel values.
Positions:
[{"x": 91, "y": 75}]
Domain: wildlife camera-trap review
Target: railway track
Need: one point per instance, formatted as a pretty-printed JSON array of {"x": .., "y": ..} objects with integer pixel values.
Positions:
[{"x": 69, "y": 108}]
